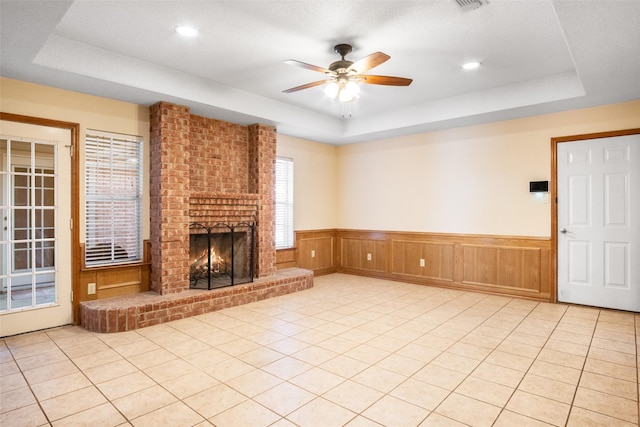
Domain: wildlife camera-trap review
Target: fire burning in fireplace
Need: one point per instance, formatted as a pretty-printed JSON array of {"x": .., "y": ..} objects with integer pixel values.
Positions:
[
  {"x": 201, "y": 264},
  {"x": 223, "y": 256}
]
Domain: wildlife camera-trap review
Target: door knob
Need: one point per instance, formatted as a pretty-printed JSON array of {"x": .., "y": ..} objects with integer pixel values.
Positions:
[{"x": 563, "y": 230}]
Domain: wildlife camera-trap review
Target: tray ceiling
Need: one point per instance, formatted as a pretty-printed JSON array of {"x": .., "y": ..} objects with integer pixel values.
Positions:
[{"x": 536, "y": 57}]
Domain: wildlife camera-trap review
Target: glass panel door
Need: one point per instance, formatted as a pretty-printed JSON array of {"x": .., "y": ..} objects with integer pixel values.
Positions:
[{"x": 35, "y": 234}]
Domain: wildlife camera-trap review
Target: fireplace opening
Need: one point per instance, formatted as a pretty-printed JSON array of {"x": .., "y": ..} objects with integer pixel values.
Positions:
[{"x": 220, "y": 255}]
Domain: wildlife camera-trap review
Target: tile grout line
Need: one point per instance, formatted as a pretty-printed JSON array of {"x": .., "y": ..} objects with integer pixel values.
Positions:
[
  {"x": 441, "y": 352},
  {"x": 380, "y": 334},
  {"x": 492, "y": 350},
  {"x": 582, "y": 371},
  {"x": 88, "y": 379},
  {"x": 46, "y": 416},
  {"x": 584, "y": 363},
  {"x": 450, "y": 392}
]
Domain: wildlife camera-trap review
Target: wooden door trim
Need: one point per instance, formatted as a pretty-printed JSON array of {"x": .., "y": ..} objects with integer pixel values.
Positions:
[
  {"x": 554, "y": 192},
  {"x": 74, "y": 128}
]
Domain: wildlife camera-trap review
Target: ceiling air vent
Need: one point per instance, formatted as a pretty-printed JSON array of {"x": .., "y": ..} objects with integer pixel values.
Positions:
[{"x": 471, "y": 4}]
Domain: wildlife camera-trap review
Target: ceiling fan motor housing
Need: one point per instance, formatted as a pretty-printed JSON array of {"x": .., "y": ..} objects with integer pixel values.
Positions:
[{"x": 340, "y": 66}]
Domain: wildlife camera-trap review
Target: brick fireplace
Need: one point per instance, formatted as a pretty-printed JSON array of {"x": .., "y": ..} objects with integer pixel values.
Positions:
[
  {"x": 207, "y": 171},
  {"x": 203, "y": 171}
]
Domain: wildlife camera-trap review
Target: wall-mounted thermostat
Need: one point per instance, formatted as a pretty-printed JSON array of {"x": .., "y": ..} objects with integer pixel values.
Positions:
[{"x": 539, "y": 186}]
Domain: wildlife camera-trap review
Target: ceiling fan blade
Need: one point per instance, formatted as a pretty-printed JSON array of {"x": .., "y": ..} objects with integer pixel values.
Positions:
[
  {"x": 368, "y": 62},
  {"x": 308, "y": 66},
  {"x": 386, "y": 80},
  {"x": 306, "y": 86}
]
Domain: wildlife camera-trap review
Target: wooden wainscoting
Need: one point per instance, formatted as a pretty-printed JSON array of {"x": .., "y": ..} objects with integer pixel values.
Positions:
[
  {"x": 434, "y": 261},
  {"x": 364, "y": 252},
  {"x": 286, "y": 258},
  {"x": 505, "y": 265},
  {"x": 314, "y": 250},
  {"x": 502, "y": 265},
  {"x": 117, "y": 280},
  {"x": 514, "y": 268}
]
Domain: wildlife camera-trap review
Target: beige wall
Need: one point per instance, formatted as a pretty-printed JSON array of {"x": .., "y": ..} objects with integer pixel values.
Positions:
[
  {"x": 466, "y": 180},
  {"x": 90, "y": 112},
  {"x": 472, "y": 180},
  {"x": 315, "y": 182}
]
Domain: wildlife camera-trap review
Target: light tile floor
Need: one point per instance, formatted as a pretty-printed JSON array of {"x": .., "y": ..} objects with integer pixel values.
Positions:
[{"x": 352, "y": 351}]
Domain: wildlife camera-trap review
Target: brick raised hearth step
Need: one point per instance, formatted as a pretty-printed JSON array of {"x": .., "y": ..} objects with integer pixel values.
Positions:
[{"x": 136, "y": 311}]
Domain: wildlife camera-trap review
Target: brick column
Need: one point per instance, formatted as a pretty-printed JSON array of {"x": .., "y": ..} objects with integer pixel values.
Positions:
[
  {"x": 262, "y": 163},
  {"x": 169, "y": 193}
]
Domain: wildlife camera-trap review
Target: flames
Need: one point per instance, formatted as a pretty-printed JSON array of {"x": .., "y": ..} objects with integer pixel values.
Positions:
[{"x": 200, "y": 265}]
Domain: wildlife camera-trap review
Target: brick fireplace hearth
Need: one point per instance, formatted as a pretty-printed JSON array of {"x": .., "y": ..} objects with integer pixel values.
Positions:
[{"x": 206, "y": 171}]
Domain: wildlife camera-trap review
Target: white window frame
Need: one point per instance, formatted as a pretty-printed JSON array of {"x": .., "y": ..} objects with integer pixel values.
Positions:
[
  {"x": 284, "y": 236},
  {"x": 113, "y": 198}
]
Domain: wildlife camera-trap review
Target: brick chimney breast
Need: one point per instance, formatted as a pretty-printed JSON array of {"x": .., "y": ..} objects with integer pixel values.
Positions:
[{"x": 207, "y": 171}]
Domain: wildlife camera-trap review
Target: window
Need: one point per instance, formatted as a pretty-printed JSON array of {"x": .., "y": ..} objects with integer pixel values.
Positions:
[
  {"x": 284, "y": 203},
  {"x": 113, "y": 198}
]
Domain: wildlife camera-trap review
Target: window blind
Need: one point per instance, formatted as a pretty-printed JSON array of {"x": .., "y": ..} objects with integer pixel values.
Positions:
[
  {"x": 113, "y": 198},
  {"x": 284, "y": 203}
]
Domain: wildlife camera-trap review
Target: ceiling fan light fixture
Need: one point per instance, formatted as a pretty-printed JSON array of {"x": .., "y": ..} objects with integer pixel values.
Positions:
[
  {"x": 332, "y": 89},
  {"x": 352, "y": 86},
  {"x": 345, "y": 97},
  {"x": 346, "y": 90},
  {"x": 350, "y": 91}
]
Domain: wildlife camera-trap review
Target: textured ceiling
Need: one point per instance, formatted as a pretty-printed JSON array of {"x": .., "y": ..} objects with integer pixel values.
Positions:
[{"x": 537, "y": 57}]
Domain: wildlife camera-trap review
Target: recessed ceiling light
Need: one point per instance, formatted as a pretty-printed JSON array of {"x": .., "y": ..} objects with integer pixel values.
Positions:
[
  {"x": 471, "y": 65},
  {"x": 185, "y": 30}
]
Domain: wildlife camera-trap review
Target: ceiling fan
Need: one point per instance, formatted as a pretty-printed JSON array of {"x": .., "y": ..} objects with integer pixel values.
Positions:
[{"x": 344, "y": 77}]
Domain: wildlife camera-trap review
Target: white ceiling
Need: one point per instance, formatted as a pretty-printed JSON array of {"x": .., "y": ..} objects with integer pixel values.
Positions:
[{"x": 537, "y": 57}]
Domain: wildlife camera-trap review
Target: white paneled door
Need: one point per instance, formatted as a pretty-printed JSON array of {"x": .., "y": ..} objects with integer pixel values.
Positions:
[
  {"x": 35, "y": 235},
  {"x": 598, "y": 222}
]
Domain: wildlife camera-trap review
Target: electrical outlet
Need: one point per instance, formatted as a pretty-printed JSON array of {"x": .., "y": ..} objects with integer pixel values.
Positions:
[
  {"x": 91, "y": 289},
  {"x": 421, "y": 262},
  {"x": 313, "y": 253},
  {"x": 368, "y": 257}
]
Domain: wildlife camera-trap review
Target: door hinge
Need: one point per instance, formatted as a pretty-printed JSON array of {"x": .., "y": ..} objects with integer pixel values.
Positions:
[
  {"x": 71, "y": 223},
  {"x": 70, "y": 147},
  {"x": 71, "y": 293}
]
